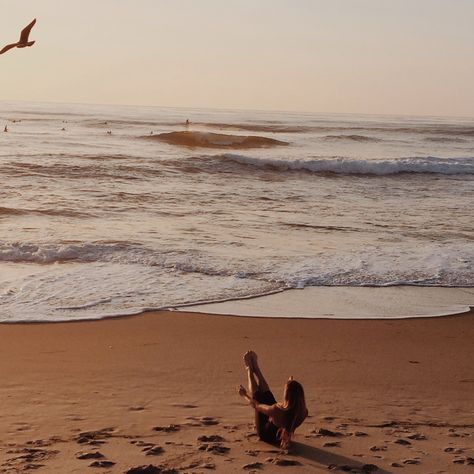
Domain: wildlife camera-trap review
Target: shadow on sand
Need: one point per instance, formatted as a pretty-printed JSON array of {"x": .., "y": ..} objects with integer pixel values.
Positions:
[{"x": 326, "y": 459}]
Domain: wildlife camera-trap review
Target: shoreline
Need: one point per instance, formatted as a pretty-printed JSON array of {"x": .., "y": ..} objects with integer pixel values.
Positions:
[
  {"x": 324, "y": 302},
  {"x": 349, "y": 302},
  {"x": 120, "y": 378}
]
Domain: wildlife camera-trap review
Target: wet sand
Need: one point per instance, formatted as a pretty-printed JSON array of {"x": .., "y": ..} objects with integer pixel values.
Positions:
[
  {"x": 349, "y": 302},
  {"x": 396, "y": 394}
]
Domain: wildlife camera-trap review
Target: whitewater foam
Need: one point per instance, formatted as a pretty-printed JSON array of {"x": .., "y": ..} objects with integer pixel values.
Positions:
[
  {"x": 430, "y": 164},
  {"x": 95, "y": 225}
]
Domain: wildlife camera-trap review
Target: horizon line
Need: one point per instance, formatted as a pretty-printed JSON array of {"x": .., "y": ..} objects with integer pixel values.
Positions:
[{"x": 234, "y": 108}]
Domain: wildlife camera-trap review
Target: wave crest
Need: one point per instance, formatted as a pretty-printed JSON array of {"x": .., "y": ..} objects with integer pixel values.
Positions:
[
  {"x": 338, "y": 165},
  {"x": 57, "y": 253},
  {"x": 352, "y": 138},
  {"x": 215, "y": 140}
]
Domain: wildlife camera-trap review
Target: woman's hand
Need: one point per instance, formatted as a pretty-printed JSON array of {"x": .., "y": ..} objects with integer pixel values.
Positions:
[{"x": 242, "y": 391}]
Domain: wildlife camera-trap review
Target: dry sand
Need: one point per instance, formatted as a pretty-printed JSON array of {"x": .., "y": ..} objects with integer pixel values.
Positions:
[{"x": 396, "y": 394}]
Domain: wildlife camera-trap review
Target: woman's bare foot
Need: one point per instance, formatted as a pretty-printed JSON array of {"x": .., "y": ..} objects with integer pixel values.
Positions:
[
  {"x": 248, "y": 359},
  {"x": 253, "y": 359}
]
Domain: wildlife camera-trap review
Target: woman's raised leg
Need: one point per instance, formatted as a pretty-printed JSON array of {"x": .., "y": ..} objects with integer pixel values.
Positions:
[
  {"x": 252, "y": 381},
  {"x": 262, "y": 383}
]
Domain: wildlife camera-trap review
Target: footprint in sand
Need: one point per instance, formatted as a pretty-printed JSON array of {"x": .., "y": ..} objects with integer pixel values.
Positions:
[
  {"x": 453, "y": 450},
  {"x": 153, "y": 451},
  {"x": 322, "y": 432},
  {"x": 27, "y": 459},
  {"x": 211, "y": 439},
  {"x": 215, "y": 448},
  {"x": 332, "y": 444},
  {"x": 202, "y": 421},
  {"x": 251, "y": 452},
  {"x": 94, "y": 437},
  {"x": 454, "y": 434},
  {"x": 253, "y": 465},
  {"x": 202, "y": 464},
  {"x": 141, "y": 444},
  {"x": 104, "y": 464},
  {"x": 378, "y": 448},
  {"x": 22, "y": 426},
  {"x": 231, "y": 428},
  {"x": 467, "y": 460},
  {"x": 185, "y": 405},
  {"x": 167, "y": 429},
  {"x": 417, "y": 437},
  {"x": 150, "y": 469},
  {"x": 328, "y": 418},
  {"x": 403, "y": 442},
  {"x": 89, "y": 455},
  {"x": 41, "y": 443}
]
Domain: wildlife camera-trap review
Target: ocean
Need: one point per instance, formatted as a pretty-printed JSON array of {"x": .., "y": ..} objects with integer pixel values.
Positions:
[{"x": 113, "y": 210}]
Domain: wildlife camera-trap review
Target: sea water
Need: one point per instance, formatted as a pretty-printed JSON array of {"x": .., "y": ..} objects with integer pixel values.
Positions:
[{"x": 100, "y": 217}]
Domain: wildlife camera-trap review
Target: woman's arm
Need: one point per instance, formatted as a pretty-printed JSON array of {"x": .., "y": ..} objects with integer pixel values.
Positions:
[{"x": 268, "y": 410}]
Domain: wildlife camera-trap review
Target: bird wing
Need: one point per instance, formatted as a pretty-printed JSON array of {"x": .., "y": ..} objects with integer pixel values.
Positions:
[
  {"x": 25, "y": 32},
  {"x": 8, "y": 47}
]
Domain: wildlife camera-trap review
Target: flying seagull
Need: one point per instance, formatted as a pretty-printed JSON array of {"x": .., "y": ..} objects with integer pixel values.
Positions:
[{"x": 23, "y": 43}]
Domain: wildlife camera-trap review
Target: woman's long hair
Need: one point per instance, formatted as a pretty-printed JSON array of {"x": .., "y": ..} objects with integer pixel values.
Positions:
[{"x": 295, "y": 411}]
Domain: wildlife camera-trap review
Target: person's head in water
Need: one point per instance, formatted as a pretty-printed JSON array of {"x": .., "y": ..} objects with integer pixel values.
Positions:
[{"x": 295, "y": 406}]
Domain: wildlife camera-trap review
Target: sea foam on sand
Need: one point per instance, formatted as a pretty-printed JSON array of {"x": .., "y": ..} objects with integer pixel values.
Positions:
[{"x": 345, "y": 302}]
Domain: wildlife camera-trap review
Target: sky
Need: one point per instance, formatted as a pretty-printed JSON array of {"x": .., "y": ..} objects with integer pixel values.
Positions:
[{"x": 404, "y": 57}]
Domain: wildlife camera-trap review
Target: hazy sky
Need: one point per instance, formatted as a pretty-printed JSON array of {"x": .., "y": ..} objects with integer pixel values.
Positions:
[{"x": 362, "y": 56}]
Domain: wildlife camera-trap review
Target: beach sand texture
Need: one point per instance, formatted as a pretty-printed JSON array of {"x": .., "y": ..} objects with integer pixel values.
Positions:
[{"x": 148, "y": 390}]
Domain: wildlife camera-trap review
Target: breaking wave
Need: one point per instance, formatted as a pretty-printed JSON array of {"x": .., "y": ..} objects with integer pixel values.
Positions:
[
  {"x": 430, "y": 164},
  {"x": 111, "y": 279},
  {"x": 254, "y": 127},
  {"x": 352, "y": 138},
  {"x": 59, "y": 253},
  {"x": 445, "y": 140},
  {"x": 215, "y": 140},
  {"x": 345, "y": 130}
]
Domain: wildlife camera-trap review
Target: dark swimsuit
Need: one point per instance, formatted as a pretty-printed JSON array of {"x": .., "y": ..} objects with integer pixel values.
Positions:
[{"x": 266, "y": 430}]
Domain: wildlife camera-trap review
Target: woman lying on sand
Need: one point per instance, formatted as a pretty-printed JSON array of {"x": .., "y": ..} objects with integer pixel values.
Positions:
[{"x": 274, "y": 421}]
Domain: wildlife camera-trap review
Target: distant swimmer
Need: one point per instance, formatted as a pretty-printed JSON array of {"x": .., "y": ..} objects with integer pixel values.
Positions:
[
  {"x": 63, "y": 129},
  {"x": 187, "y": 122},
  {"x": 109, "y": 132},
  {"x": 23, "y": 43},
  {"x": 5, "y": 129}
]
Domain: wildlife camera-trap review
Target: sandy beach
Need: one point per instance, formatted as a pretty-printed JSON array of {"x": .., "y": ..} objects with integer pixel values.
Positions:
[
  {"x": 198, "y": 198},
  {"x": 160, "y": 389}
]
